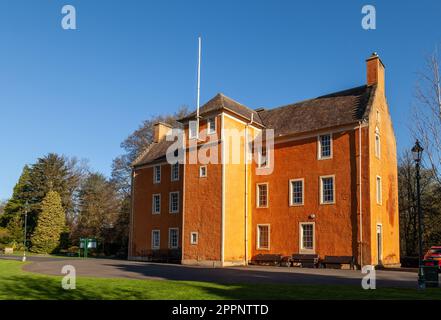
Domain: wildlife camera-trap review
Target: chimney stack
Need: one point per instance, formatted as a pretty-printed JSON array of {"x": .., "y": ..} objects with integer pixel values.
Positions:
[
  {"x": 160, "y": 130},
  {"x": 375, "y": 71}
]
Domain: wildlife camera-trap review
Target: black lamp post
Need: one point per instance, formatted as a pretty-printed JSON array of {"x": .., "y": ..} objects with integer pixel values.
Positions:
[
  {"x": 25, "y": 232},
  {"x": 417, "y": 152}
]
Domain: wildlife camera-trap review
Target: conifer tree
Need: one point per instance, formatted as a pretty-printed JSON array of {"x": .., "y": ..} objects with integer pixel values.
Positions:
[{"x": 50, "y": 224}]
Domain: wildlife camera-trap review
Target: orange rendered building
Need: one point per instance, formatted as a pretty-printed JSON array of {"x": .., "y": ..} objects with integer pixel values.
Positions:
[{"x": 331, "y": 190}]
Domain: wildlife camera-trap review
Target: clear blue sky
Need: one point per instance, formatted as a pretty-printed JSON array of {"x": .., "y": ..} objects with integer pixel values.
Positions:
[{"x": 80, "y": 93}]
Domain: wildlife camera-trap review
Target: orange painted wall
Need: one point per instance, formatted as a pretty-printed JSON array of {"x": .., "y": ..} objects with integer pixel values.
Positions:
[
  {"x": 336, "y": 225},
  {"x": 385, "y": 213},
  {"x": 143, "y": 219},
  {"x": 203, "y": 208}
]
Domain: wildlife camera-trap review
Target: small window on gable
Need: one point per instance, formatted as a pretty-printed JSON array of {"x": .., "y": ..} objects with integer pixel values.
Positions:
[
  {"x": 325, "y": 146},
  {"x": 211, "y": 125},
  {"x": 377, "y": 143},
  {"x": 379, "y": 190}
]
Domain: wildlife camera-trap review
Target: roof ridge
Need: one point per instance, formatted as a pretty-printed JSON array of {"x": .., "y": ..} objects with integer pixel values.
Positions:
[{"x": 329, "y": 95}]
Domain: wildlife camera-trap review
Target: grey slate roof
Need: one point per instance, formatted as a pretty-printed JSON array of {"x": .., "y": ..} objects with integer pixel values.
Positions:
[{"x": 335, "y": 109}]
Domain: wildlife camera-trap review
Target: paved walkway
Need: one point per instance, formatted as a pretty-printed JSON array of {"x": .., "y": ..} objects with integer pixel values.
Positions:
[{"x": 110, "y": 268}]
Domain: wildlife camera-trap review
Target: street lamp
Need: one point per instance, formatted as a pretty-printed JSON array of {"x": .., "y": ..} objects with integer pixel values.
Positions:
[
  {"x": 25, "y": 232},
  {"x": 417, "y": 152}
]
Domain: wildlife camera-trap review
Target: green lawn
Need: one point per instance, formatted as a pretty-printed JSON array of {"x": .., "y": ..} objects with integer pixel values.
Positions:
[{"x": 18, "y": 284}]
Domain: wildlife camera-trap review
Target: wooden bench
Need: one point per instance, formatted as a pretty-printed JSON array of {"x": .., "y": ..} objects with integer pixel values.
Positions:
[
  {"x": 338, "y": 261},
  {"x": 267, "y": 259},
  {"x": 306, "y": 260}
]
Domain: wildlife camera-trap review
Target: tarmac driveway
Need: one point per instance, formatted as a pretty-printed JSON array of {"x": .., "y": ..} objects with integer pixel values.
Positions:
[{"x": 112, "y": 268}]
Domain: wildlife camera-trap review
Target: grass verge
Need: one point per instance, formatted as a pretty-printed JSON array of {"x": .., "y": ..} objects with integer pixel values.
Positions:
[{"x": 18, "y": 284}]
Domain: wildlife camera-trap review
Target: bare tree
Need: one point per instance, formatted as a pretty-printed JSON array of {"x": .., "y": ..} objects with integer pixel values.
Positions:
[{"x": 427, "y": 113}]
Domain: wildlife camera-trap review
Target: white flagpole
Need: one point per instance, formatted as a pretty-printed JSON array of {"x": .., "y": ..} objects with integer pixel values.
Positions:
[{"x": 199, "y": 86}]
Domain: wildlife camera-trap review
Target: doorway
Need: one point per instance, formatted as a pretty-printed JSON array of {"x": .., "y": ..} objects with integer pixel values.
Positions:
[{"x": 379, "y": 244}]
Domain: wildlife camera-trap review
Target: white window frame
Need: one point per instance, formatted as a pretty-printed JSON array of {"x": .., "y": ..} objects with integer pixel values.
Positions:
[
  {"x": 191, "y": 237},
  {"x": 169, "y": 238},
  {"x": 319, "y": 145},
  {"x": 333, "y": 189},
  {"x": 209, "y": 131},
  {"x": 258, "y": 236},
  {"x": 153, "y": 203},
  {"x": 190, "y": 131},
  {"x": 170, "y": 205},
  {"x": 379, "y": 190},
  {"x": 159, "y": 239},
  {"x": 200, "y": 171},
  {"x": 155, "y": 181},
  {"x": 257, "y": 195},
  {"x": 172, "y": 177},
  {"x": 301, "y": 248},
  {"x": 377, "y": 143},
  {"x": 291, "y": 203},
  {"x": 259, "y": 154}
]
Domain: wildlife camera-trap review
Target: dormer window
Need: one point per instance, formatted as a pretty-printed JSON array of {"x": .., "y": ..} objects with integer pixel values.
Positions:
[{"x": 193, "y": 130}]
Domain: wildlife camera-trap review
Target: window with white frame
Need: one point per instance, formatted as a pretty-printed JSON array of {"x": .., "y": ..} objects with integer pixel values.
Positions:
[
  {"x": 174, "y": 202},
  {"x": 211, "y": 125},
  {"x": 307, "y": 237},
  {"x": 156, "y": 239},
  {"x": 173, "y": 234},
  {"x": 296, "y": 192},
  {"x": 156, "y": 203},
  {"x": 379, "y": 191},
  {"x": 263, "y": 236},
  {"x": 325, "y": 146},
  {"x": 156, "y": 174},
  {"x": 327, "y": 189},
  {"x": 192, "y": 129},
  {"x": 175, "y": 171},
  {"x": 262, "y": 195},
  {"x": 377, "y": 143},
  {"x": 194, "y": 238},
  {"x": 203, "y": 171},
  {"x": 263, "y": 157}
]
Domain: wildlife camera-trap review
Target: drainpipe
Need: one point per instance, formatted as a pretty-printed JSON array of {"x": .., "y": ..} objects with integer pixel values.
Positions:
[
  {"x": 360, "y": 195},
  {"x": 132, "y": 201},
  {"x": 246, "y": 187}
]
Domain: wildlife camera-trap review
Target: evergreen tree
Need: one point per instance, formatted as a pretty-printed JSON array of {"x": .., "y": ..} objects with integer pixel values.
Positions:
[
  {"x": 15, "y": 205},
  {"x": 50, "y": 224}
]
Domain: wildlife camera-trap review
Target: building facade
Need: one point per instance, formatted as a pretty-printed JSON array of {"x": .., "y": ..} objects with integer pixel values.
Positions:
[{"x": 327, "y": 185}]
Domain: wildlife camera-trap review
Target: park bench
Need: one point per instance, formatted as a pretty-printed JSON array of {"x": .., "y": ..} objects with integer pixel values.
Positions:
[
  {"x": 306, "y": 260},
  {"x": 267, "y": 259},
  {"x": 338, "y": 262}
]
